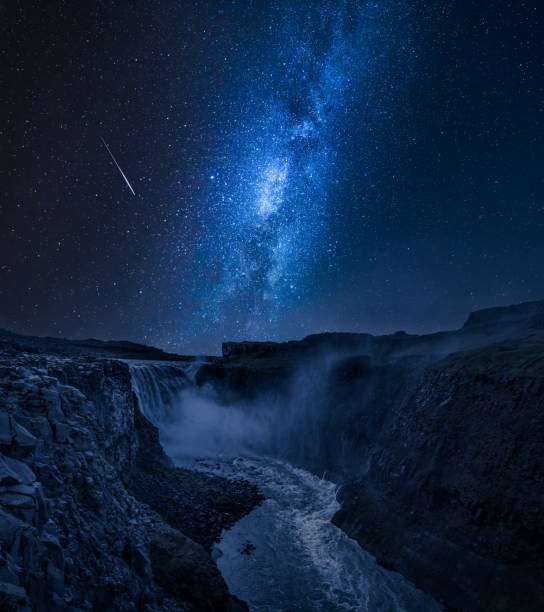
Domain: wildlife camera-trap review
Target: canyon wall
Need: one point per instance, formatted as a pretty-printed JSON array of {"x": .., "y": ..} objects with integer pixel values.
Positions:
[
  {"x": 452, "y": 495},
  {"x": 437, "y": 442},
  {"x": 82, "y": 478}
]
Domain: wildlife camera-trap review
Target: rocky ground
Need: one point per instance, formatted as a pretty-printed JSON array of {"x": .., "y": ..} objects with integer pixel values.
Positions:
[
  {"x": 199, "y": 505},
  {"x": 92, "y": 513}
]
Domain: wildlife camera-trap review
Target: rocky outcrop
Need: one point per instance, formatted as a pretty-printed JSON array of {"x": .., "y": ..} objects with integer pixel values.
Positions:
[
  {"x": 515, "y": 319},
  {"x": 72, "y": 534},
  {"x": 183, "y": 569}
]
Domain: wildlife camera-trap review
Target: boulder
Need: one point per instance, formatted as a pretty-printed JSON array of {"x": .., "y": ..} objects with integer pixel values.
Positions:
[
  {"x": 13, "y": 471},
  {"x": 186, "y": 571},
  {"x": 13, "y": 598}
]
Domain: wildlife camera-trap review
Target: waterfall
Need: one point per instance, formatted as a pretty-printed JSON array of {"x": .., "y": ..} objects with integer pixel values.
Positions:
[
  {"x": 324, "y": 417},
  {"x": 158, "y": 387},
  {"x": 193, "y": 421},
  {"x": 298, "y": 424}
]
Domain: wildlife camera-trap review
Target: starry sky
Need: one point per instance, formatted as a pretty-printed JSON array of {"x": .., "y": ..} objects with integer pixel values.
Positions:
[{"x": 358, "y": 165}]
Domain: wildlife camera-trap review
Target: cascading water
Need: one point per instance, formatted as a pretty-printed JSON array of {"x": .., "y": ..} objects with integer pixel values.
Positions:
[
  {"x": 158, "y": 386},
  {"x": 286, "y": 554},
  {"x": 192, "y": 421}
]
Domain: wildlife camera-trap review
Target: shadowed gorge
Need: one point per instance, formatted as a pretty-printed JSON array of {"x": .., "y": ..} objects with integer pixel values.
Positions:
[
  {"x": 442, "y": 434},
  {"x": 425, "y": 452}
]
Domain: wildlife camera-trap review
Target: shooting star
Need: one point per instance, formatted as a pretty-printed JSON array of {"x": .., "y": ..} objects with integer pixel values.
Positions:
[{"x": 119, "y": 168}]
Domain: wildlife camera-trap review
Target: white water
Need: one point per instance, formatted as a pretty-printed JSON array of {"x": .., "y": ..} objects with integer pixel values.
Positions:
[
  {"x": 191, "y": 420},
  {"x": 158, "y": 386},
  {"x": 298, "y": 560}
]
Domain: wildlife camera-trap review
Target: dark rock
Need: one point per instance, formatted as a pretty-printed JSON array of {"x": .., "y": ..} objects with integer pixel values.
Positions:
[
  {"x": 71, "y": 533},
  {"x": 185, "y": 570},
  {"x": 22, "y": 437},
  {"x": 6, "y": 429},
  {"x": 247, "y": 548},
  {"x": 13, "y": 471},
  {"x": 13, "y": 598}
]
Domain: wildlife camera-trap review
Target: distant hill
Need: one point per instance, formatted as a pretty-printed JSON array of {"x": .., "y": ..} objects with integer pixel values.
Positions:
[
  {"x": 96, "y": 348},
  {"x": 481, "y": 328}
]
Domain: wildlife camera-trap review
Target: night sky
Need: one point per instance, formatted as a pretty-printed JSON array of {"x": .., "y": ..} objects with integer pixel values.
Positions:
[{"x": 297, "y": 166}]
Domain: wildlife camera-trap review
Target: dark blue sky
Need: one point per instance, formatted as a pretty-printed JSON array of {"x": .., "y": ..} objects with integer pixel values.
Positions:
[{"x": 298, "y": 167}]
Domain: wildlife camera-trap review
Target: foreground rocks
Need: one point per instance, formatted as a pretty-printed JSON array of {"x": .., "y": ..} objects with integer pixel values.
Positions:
[
  {"x": 187, "y": 572},
  {"x": 72, "y": 534}
]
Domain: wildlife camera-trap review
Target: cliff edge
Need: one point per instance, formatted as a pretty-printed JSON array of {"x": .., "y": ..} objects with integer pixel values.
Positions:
[{"x": 82, "y": 478}]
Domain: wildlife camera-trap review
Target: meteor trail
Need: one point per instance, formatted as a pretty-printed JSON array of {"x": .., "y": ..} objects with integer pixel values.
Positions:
[{"x": 119, "y": 167}]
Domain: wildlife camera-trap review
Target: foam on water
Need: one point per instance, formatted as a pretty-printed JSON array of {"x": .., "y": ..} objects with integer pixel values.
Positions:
[{"x": 301, "y": 561}]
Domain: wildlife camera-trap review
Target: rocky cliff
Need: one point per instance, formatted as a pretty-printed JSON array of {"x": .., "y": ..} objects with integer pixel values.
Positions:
[
  {"x": 82, "y": 478},
  {"x": 453, "y": 492}
]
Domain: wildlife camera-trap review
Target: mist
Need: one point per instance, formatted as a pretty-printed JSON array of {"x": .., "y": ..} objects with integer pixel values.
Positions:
[
  {"x": 322, "y": 419},
  {"x": 200, "y": 426}
]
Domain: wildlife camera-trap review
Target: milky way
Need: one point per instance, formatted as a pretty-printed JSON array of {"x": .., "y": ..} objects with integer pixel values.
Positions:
[{"x": 269, "y": 201}]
